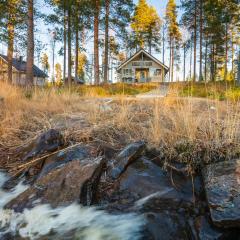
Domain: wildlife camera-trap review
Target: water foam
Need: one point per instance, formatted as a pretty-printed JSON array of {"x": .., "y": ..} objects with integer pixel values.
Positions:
[{"x": 71, "y": 222}]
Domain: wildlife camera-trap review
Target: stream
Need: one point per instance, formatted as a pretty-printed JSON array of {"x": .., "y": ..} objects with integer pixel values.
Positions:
[{"x": 70, "y": 222}]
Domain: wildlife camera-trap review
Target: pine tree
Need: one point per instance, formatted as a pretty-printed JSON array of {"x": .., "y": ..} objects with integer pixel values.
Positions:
[
  {"x": 30, "y": 44},
  {"x": 146, "y": 25},
  {"x": 173, "y": 33},
  {"x": 45, "y": 63},
  {"x": 117, "y": 16},
  {"x": 58, "y": 70}
]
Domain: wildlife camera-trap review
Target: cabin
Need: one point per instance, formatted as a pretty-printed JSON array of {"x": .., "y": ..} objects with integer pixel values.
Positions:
[
  {"x": 19, "y": 72},
  {"x": 142, "y": 67}
]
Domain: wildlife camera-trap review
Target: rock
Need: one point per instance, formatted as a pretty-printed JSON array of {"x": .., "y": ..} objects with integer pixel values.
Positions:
[
  {"x": 47, "y": 142},
  {"x": 76, "y": 181},
  {"x": 165, "y": 201},
  {"x": 65, "y": 156},
  {"x": 166, "y": 226},
  {"x": 222, "y": 185},
  {"x": 205, "y": 231},
  {"x": 144, "y": 186},
  {"x": 127, "y": 156}
]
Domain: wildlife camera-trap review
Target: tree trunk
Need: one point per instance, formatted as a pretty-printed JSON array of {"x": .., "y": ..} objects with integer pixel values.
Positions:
[
  {"x": 170, "y": 60},
  {"x": 30, "y": 45},
  {"x": 184, "y": 62},
  {"x": 172, "y": 68},
  {"x": 69, "y": 47},
  {"x": 238, "y": 75},
  {"x": 226, "y": 53},
  {"x": 163, "y": 48},
  {"x": 190, "y": 60},
  {"x": 76, "y": 50},
  {"x": 195, "y": 41},
  {"x": 96, "y": 40},
  {"x": 10, "y": 28},
  {"x": 150, "y": 43},
  {"x": 205, "y": 67},
  {"x": 65, "y": 43},
  {"x": 106, "y": 59},
  {"x": 201, "y": 38}
]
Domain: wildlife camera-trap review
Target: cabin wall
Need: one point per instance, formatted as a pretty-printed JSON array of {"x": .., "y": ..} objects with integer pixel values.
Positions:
[
  {"x": 156, "y": 71},
  {"x": 18, "y": 78}
]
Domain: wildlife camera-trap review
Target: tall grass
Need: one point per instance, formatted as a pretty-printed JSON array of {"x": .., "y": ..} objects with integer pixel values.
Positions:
[{"x": 186, "y": 129}]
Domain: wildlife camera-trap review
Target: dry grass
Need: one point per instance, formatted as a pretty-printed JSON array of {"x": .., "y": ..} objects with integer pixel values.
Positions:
[{"x": 183, "y": 129}]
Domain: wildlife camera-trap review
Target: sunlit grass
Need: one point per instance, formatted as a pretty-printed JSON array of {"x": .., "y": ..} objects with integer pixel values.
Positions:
[{"x": 186, "y": 129}]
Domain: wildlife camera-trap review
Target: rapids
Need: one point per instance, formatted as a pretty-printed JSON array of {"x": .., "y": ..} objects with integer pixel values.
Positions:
[{"x": 70, "y": 222}]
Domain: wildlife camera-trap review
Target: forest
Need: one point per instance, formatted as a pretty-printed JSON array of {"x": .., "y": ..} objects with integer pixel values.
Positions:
[{"x": 199, "y": 39}]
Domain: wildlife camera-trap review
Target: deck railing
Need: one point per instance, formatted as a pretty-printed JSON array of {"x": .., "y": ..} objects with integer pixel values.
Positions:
[{"x": 142, "y": 64}]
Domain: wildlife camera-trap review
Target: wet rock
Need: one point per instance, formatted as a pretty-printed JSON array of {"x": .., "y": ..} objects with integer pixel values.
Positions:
[
  {"x": 205, "y": 230},
  {"x": 166, "y": 226},
  {"x": 222, "y": 185},
  {"x": 127, "y": 156},
  {"x": 146, "y": 187},
  {"x": 47, "y": 142},
  {"x": 76, "y": 181},
  {"x": 65, "y": 156}
]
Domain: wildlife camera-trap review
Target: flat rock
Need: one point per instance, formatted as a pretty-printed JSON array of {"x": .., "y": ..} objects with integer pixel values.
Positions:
[
  {"x": 127, "y": 156},
  {"x": 222, "y": 185},
  {"x": 47, "y": 142},
  {"x": 63, "y": 157},
  {"x": 76, "y": 181}
]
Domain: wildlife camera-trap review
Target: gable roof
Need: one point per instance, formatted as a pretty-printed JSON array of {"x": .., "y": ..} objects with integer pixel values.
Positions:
[
  {"x": 21, "y": 66},
  {"x": 147, "y": 54}
]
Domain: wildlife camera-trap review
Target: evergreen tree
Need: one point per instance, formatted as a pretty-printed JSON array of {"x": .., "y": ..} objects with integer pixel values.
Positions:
[
  {"x": 146, "y": 25},
  {"x": 30, "y": 43},
  {"x": 173, "y": 34},
  {"x": 117, "y": 17}
]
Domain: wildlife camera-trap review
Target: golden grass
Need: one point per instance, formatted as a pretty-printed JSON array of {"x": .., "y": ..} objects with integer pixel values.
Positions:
[{"x": 185, "y": 129}]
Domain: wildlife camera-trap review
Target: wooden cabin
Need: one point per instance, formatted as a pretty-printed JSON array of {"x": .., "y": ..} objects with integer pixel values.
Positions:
[
  {"x": 142, "y": 67},
  {"x": 19, "y": 72}
]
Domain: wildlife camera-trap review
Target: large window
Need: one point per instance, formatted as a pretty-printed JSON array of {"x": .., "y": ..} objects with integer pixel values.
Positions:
[
  {"x": 142, "y": 64},
  {"x": 127, "y": 72},
  {"x": 158, "y": 72}
]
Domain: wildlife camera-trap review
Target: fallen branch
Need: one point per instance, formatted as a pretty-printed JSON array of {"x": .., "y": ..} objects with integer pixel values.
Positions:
[{"x": 34, "y": 162}]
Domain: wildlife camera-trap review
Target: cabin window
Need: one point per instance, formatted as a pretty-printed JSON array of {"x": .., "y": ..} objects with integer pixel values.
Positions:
[
  {"x": 157, "y": 72},
  {"x": 148, "y": 64},
  {"x": 127, "y": 71}
]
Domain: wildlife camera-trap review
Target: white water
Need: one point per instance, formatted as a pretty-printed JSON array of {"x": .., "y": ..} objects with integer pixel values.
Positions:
[{"x": 84, "y": 223}]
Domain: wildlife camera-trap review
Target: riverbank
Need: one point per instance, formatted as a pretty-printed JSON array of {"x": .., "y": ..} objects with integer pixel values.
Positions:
[{"x": 151, "y": 158}]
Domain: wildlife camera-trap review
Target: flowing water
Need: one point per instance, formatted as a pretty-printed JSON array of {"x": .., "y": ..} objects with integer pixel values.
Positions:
[{"x": 71, "y": 222}]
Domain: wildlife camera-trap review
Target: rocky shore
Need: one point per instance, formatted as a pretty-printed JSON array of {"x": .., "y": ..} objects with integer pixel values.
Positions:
[{"x": 174, "y": 203}]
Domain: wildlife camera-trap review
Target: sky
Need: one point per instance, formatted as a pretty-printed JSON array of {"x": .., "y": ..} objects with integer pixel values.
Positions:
[{"x": 44, "y": 36}]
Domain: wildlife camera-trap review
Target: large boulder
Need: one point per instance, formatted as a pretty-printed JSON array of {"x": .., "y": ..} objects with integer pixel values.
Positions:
[
  {"x": 222, "y": 185},
  {"x": 206, "y": 231},
  {"x": 47, "y": 142},
  {"x": 127, "y": 156},
  {"x": 164, "y": 200},
  {"x": 76, "y": 181},
  {"x": 166, "y": 225}
]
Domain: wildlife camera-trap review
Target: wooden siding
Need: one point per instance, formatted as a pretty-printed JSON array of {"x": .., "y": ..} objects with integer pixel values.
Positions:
[
  {"x": 17, "y": 77},
  {"x": 142, "y": 69}
]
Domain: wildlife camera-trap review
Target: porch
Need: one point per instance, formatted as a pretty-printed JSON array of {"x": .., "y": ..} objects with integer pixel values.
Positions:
[{"x": 142, "y": 75}]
